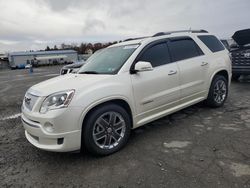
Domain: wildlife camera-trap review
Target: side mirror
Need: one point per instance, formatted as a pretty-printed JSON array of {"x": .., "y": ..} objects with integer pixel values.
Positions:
[{"x": 142, "y": 66}]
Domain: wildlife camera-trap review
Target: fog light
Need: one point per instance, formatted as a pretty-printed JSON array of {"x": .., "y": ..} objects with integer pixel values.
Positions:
[
  {"x": 48, "y": 127},
  {"x": 60, "y": 141}
]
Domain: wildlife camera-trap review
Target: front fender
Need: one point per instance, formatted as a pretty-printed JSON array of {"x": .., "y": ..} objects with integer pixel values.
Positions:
[{"x": 101, "y": 101}]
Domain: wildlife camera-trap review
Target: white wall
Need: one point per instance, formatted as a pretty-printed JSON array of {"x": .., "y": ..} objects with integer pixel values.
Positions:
[{"x": 19, "y": 60}]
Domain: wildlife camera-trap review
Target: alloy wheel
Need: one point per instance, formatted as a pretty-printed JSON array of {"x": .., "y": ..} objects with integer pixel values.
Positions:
[
  {"x": 109, "y": 130},
  {"x": 220, "y": 91}
]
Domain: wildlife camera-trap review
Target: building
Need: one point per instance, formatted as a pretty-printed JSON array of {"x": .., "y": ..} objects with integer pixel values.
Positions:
[
  {"x": 4, "y": 57},
  {"x": 20, "y": 59},
  {"x": 3, "y": 61}
]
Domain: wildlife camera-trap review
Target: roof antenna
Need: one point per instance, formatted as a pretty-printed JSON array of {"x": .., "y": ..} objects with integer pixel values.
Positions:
[{"x": 190, "y": 30}]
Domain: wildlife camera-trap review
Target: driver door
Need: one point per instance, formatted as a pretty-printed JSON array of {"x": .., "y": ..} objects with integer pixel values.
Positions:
[{"x": 155, "y": 92}]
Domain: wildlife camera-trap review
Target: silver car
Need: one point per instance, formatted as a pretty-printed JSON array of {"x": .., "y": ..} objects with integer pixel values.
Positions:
[{"x": 72, "y": 68}]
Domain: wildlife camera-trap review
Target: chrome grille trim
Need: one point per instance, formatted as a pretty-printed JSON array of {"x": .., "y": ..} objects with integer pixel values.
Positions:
[{"x": 30, "y": 100}]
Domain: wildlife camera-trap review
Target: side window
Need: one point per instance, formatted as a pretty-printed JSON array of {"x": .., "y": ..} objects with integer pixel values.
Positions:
[
  {"x": 212, "y": 43},
  {"x": 157, "y": 55},
  {"x": 183, "y": 49}
]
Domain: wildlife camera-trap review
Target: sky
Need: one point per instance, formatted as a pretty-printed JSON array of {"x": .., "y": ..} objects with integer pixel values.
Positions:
[{"x": 34, "y": 24}]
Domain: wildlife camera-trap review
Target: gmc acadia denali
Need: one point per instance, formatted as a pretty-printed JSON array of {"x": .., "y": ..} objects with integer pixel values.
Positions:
[{"x": 123, "y": 87}]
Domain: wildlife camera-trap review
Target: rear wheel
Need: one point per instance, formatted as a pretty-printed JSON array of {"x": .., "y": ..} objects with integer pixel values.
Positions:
[
  {"x": 218, "y": 92},
  {"x": 106, "y": 130}
]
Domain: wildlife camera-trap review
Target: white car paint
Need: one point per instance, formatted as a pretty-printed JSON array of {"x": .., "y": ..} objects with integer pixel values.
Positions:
[{"x": 149, "y": 94}]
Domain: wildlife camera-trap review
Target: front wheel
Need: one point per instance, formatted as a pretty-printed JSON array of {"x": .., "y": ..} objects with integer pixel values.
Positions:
[
  {"x": 106, "y": 130},
  {"x": 218, "y": 92}
]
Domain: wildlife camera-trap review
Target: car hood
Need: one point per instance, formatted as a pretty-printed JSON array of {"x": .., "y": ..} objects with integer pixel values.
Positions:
[
  {"x": 242, "y": 37},
  {"x": 66, "y": 82}
]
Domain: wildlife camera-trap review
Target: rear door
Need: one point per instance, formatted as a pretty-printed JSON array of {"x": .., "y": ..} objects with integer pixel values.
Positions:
[
  {"x": 192, "y": 65},
  {"x": 156, "y": 90}
]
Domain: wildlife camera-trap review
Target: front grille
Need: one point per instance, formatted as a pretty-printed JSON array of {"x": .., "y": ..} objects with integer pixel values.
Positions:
[
  {"x": 30, "y": 101},
  {"x": 240, "y": 58}
]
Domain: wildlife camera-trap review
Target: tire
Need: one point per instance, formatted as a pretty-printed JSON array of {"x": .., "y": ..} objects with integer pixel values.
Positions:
[
  {"x": 235, "y": 77},
  {"x": 105, "y": 137},
  {"x": 218, "y": 92}
]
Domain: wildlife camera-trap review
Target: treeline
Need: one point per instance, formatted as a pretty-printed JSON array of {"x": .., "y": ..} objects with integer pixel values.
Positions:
[{"x": 83, "y": 48}]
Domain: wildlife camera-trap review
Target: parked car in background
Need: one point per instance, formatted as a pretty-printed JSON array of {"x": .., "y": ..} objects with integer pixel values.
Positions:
[
  {"x": 72, "y": 68},
  {"x": 28, "y": 66},
  {"x": 125, "y": 86},
  {"x": 240, "y": 53}
]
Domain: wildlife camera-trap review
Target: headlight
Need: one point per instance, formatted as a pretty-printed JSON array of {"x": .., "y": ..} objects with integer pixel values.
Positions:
[{"x": 57, "y": 100}]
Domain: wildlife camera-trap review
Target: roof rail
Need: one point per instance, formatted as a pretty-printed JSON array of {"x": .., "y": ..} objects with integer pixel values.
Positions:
[
  {"x": 134, "y": 39},
  {"x": 180, "y": 31}
]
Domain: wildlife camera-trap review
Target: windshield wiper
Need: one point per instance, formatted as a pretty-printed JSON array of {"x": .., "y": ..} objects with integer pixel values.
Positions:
[{"x": 88, "y": 72}]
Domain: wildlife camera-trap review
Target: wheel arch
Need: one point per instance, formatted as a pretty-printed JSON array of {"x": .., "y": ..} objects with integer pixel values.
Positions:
[
  {"x": 222, "y": 72},
  {"x": 118, "y": 101}
]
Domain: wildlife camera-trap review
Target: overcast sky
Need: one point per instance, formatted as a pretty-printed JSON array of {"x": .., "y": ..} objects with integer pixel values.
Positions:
[{"x": 33, "y": 24}]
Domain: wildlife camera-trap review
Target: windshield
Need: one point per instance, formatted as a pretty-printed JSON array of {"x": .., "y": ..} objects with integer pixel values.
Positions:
[{"x": 108, "y": 60}]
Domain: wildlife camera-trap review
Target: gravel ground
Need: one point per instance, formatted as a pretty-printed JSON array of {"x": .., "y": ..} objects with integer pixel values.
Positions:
[{"x": 196, "y": 147}]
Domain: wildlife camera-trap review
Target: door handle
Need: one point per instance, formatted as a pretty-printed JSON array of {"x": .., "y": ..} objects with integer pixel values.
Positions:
[
  {"x": 172, "y": 72},
  {"x": 204, "y": 63}
]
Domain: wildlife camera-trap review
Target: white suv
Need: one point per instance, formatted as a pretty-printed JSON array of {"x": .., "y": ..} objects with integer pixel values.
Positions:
[{"x": 123, "y": 87}]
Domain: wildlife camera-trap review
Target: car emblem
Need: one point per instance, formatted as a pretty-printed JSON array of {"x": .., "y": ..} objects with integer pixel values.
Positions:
[
  {"x": 27, "y": 100},
  {"x": 247, "y": 55}
]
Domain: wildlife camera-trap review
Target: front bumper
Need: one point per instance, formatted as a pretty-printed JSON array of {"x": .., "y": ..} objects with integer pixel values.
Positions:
[
  {"x": 65, "y": 137},
  {"x": 244, "y": 70}
]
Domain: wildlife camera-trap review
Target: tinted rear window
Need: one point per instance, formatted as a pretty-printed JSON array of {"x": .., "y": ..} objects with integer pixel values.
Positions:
[
  {"x": 184, "y": 49},
  {"x": 157, "y": 55},
  {"x": 212, "y": 43}
]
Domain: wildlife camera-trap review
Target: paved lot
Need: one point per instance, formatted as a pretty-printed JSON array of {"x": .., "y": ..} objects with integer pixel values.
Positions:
[{"x": 197, "y": 147}]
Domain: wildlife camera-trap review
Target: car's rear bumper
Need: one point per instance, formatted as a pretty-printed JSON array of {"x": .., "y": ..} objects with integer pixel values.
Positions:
[{"x": 65, "y": 71}]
